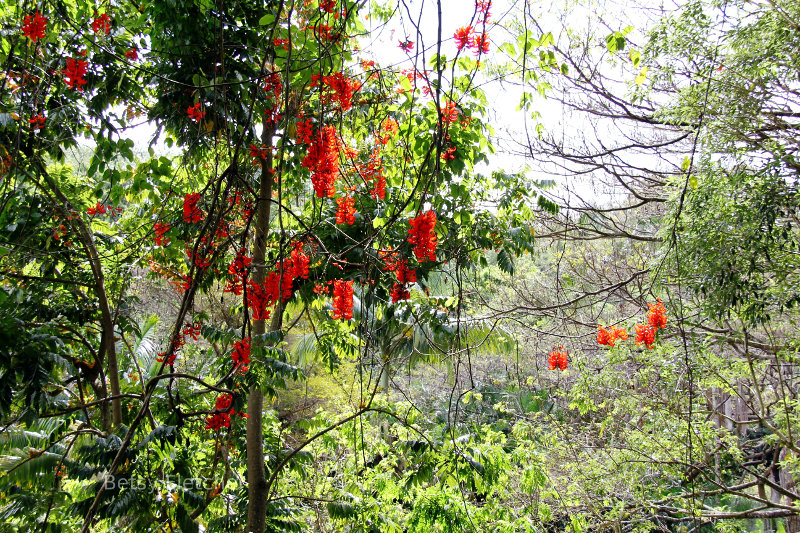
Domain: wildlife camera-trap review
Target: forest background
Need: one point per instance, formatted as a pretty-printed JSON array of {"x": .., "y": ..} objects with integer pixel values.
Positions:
[{"x": 391, "y": 266}]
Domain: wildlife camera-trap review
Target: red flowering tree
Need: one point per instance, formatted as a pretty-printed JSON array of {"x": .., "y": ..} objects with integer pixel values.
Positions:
[{"x": 307, "y": 176}]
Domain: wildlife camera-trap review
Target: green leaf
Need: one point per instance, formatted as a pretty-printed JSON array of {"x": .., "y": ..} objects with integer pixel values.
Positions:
[{"x": 266, "y": 20}]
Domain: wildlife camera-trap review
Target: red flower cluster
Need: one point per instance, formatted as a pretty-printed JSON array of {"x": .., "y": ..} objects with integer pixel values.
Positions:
[
  {"x": 406, "y": 45},
  {"x": 657, "y": 315},
  {"x": 132, "y": 54},
  {"x": 462, "y": 37},
  {"x": 238, "y": 269},
  {"x": 195, "y": 113},
  {"x": 558, "y": 358},
  {"x": 422, "y": 236},
  {"x": 342, "y": 299},
  {"x": 34, "y": 27},
  {"x": 273, "y": 85},
  {"x": 405, "y": 276},
  {"x": 222, "y": 419},
  {"x": 322, "y": 160},
  {"x": 261, "y": 297},
  {"x": 304, "y": 131},
  {"x": 192, "y": 213},
  {"x": 337, "y": 88},
  {"x": 300, "y": 261},
  {"x": 346, "y": 210},
  {"x": 389, "y": 128},
  {"x": 102, "y": 23},
  {"x": 645, "y": 335},
  {"x": 656, "y": 319},
  {"x": 37, "y": 121},
  {"x": 608, "y": 337},
  {"x": 258, "y": 154},
  {"x": 327, "y": 6},
  {"x": 74, "y": 73},
  {"x": 241, "y": 355},
  {"x": 98, "y": 209},
  {"x": 161, "y": 228},
  {"x": 449, "y": 114},
  {"x": 478, "y": 43}
]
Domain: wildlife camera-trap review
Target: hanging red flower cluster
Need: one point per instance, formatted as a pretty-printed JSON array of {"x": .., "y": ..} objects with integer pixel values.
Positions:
[
  {"x": 161, "y": 228},
  {"x": 195, "y": 113},
  {"x": 449, "y": 114},
  {"x": 222, "y": 419},
  {"x": 657, "y": 315},
  {"x": 238, "y": 269},
  {"x": 336, "y": 88},
  {"x": 304, "y": 131},
  {"x": 192, "y": 213},
  {"x": 101, "y": 24},
  {"x": 645, "y": 335},
  {"x": 405, "y": 277},
  {"x": 322, "y": 160},
  {"x": 34, "y": 27},
  {"x": 656, "y": 319},
  {"x": 346, "y": 210},
  {"x": 240, "y": 355},
  {"x": 423, "y": 237},
  {"x": 342, "y": 299},
  {"x": 74, "y": 73},
  {"x": 273, "y": 85},
  {"x": 190, "y": 330},
  {"x": 132, "y": 54},
  {"x": 300, "y": 261},
  {"x": 261, "y": 297},
  {"x": 558, "y": 358},
  {"x": 608, "y": 337}
]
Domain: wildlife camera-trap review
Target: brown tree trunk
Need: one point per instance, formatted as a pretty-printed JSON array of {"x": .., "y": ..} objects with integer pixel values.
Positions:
[{"x": 256, "y": 476}]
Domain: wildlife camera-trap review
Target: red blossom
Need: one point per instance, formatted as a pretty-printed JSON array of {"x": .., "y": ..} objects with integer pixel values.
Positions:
[
  {"x": 222, "y": 419},
  {"x": 195, "y": 113},
  {"x": 34, "y": 27},
  {"x": 423, "y": 237},
  {"x": 337, "y": 88},
  {"x": 37, "y": 121},
  {"x": 406, "y": 45},
  {"x": 192, "y": 213},
  {"x": 449, "y": 114},
  {"x": 240, "y": 355},
  {"x": 462, "y": 37},
  {"x": 656, "y": 315},
  {"x": 300, "y": 261},
  {"x": 132, "y": 54},
  {"x": 161, "y": 228},
  {"x": 322, "y": 160},
  {"x": 480, "y": 44},
  {"x": 608, "y": 337},
  {"x": 342, "y": 299},
  {"x": 74, "y": 73},
  {"x": 304, "y": 131},
  {"x": 102, "y": 23},
  {"x": 645, "y": 335},
  {"x": 558, "y": 358},
  {"x": 399, "y": 292},
  {"x": 346, "y": 210}
]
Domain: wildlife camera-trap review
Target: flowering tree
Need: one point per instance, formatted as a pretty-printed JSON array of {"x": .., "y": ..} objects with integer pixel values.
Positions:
[{"x": 307, "y": 179}]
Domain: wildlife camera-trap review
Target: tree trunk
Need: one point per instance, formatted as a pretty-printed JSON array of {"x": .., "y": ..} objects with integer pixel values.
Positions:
[{"x": 256, "y": 476}]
